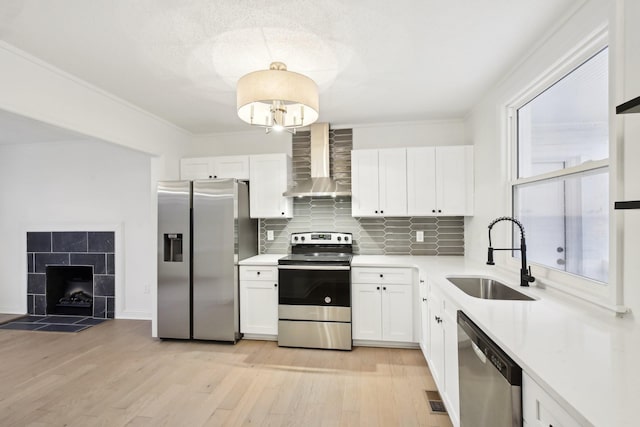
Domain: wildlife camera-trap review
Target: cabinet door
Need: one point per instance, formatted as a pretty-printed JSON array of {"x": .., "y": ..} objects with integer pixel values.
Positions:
[
  {"x": 437, "y": 339},
  {"x": 421, "y": 181},
  {"x": 454, "y": 180},
  {"x": 397, "y": 313},
  {"x": 392, "y": 182},
  {"x": 364, "y": 183},
  {"x": 231, "y": 167},
  {"x": 450, "y": 326},
  {"x": 540, "y": 410},
  {"x": 366, "y": 312},
  {"x": 425, "y": 333},
  {"x": 196, "y": 168},
  {"x": 269, "y": 175},
  {"x": 259, "y": 307}
]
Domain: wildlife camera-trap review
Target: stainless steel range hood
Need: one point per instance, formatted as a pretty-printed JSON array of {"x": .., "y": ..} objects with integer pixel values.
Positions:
[{"x": 320, "y": 184}]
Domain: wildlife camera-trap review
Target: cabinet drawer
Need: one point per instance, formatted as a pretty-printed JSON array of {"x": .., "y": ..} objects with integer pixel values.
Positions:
[
  {"x": 539, "y": 408},
  {"x": 250, "y": 272},
  {"x": 382, "y": 275}
]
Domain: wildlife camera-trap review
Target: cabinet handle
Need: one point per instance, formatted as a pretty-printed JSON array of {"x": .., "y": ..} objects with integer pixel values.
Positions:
[
  {"x": 384, "y": 288},
  {"x": 376, "y": 211},
  {"x": 421, "y": 281},
  {"x": 381, "y": 275},
  {"x": 424, "y": 299},
  {"x": 381, "y": 211},
  {"x": 377, "y": 288},
  {"x": 258, "y": 273},
  {"x": 439, "y": 211},
  {"x": 215, "y": 176},
  {"x": 433, "y": 210},
  {"x": 210, "y": 176},
  {"x": 275, "y": 285},
  {"x": 282, "y": 213}
]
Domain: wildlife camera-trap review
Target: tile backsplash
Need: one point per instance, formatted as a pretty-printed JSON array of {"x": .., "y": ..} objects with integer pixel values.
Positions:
[{"x": 371, "y": 236}]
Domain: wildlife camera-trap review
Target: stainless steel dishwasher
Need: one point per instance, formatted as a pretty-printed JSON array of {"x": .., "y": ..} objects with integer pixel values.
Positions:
[{"x": 490, "y": 381}]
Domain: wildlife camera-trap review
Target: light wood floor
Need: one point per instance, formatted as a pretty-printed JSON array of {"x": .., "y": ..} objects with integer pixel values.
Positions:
[{"x": 115, "y": 374}]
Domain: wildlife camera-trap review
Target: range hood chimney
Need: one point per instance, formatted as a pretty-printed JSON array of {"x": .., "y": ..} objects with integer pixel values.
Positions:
[{"x": 320, "y": 184}]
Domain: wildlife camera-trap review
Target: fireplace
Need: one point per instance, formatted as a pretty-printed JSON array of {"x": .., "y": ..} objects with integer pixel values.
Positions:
[
  {"x": 69, "y": 290},
  {"x": 77, "y": 267}
]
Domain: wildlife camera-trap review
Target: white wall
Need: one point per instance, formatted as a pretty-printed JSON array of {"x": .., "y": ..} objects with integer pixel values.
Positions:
[
  {"x": 629, "y": 61},
  {"x": 35, "y": 89},
  {"x": 239, "y": 143},
  {"x": 78, "y": 186},
  {"x": 487, "y": 122},
  {"x": 415, "y": 134}
]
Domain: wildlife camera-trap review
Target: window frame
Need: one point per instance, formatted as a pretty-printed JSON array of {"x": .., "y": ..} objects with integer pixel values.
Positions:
[{"x": 594, "y": 291}]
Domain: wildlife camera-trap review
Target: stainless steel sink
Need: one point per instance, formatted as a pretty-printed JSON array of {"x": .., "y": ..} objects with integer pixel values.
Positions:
[{"x": 482, "y": 287}]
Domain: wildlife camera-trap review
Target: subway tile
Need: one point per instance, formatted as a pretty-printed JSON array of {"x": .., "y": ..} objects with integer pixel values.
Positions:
[
  {"x": 97, "y": 261},
  {"x": 111, "y": 308},
  {"x": 30, "y": 263},
  {"x": 38, "y": 241},
  {"x": 69, "y": 241},
  {"x": 42, "y": 260},
  {"x": 100, "y": 307},
  {"x": 31, "y": 308},
  {"x": 104, "y": 285},
  {"x": 40, "y": 305},
  {"x": 111, "y": 264},
  {"x": 36, "y": 283},
  {"x": 101, "y": 241}
]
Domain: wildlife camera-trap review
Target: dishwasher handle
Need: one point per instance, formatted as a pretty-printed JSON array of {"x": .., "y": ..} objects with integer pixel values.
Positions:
[
  {"x": 479, "y": 353},
  {"x": 483, "y": 345}
]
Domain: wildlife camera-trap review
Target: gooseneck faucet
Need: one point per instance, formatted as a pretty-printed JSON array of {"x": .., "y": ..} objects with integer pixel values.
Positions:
[{"x": 525, "y": 272}]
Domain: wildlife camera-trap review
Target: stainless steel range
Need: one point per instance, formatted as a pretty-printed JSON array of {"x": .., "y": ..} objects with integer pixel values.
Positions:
[{"x": 314, "y": 297}]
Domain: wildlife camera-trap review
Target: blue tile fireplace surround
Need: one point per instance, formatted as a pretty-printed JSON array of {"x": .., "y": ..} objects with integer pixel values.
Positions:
[{"x": 54, "y": 259}]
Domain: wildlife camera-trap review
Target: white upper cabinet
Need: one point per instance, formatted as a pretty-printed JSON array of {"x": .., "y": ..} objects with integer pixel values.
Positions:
[
  {"x": 231, "y": 167},
  {"x": 215, "y": 167},
  {"x": 269, "y": 176},
  {"x": 198, "y": 168},
  {"x": 440, "y": 181},
  {"x": 379, "y": 182}
]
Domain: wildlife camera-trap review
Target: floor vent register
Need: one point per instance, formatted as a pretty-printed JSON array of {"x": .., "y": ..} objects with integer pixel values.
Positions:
[{"x": 435, "y": 402}]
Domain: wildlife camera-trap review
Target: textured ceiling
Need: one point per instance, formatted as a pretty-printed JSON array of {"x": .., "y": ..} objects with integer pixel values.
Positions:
[{"x": 375, "y": 61}]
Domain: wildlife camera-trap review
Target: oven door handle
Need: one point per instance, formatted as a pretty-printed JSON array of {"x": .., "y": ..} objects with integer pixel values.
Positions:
[{"x": 314, "y": 267}]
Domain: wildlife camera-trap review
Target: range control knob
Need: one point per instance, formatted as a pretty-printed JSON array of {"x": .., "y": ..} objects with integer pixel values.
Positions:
[
  {"x": 302, "y": 238},
  {"x": 295, "y": 238},
  {"x": 346, "y": 238},
  {"x": 339, "y": 238}
]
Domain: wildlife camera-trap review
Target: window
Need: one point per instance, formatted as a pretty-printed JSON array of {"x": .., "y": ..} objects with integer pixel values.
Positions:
[{"x": 561, "y": 189}]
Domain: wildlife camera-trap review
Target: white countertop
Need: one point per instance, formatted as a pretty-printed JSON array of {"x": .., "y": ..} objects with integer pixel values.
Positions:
[
  {"x": 584, "y": 356},
  {"x": 265, "y": 259}
]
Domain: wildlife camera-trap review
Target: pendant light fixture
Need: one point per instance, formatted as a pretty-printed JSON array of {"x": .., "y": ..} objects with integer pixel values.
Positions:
[{"x": 277, "y": 99}]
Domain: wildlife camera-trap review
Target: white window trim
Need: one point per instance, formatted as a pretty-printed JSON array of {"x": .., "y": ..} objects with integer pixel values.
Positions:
[{"x": 578, "y": 286}]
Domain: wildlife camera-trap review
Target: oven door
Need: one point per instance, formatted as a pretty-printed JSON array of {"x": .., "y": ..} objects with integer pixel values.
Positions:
[{"x": 318, "y": 285}]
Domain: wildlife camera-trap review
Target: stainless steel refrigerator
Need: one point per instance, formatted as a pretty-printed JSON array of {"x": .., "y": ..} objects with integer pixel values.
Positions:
[{"x": 204, "y": 230}]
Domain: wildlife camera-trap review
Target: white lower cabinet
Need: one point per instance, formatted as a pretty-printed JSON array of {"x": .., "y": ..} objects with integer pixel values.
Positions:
[
  {"x": 442, "y": 354},
  {"x": 425, "y": 333},
  {"x": 382, "y": 310},
  {"x": 540, "y": 410},
  {"x": 259, "y": 300}
]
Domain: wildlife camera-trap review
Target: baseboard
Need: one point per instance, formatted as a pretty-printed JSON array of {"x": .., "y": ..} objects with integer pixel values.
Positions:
[
  {"x": 260, "y": 337},
  {"x": 11, "y": 310},
  {"x": 385, "y": 344}
]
